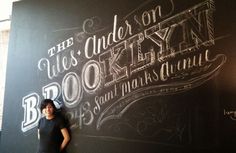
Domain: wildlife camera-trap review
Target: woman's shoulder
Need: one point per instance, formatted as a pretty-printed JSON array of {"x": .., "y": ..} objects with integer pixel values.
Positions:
[
  {"x": 41, "y": 121},
  {"x": 58, "y": 118}
]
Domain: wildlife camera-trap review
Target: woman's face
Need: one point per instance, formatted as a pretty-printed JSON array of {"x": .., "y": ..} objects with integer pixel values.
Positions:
[{"x": 48, "y": 110}]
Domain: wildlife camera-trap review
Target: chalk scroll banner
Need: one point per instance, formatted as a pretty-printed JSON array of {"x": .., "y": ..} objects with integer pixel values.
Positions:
[{"x": 129, "y": 76}]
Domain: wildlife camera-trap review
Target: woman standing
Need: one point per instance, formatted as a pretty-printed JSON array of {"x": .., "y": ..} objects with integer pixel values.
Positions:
[{"x": 52, "y": 132}]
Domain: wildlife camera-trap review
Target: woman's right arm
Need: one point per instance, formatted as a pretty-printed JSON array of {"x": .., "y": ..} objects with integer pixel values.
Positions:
[{"x": 38, "y": 134}]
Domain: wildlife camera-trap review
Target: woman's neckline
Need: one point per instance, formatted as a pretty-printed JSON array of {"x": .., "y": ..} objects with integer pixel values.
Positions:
[{"x": 50, "y": 118}]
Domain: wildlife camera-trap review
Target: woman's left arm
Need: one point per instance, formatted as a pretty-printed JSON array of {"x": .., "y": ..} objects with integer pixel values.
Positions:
[{"x": 66, "y": 137}]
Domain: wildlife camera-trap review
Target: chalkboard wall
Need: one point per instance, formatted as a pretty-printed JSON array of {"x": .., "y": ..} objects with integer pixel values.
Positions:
[{"x": 153, "y": 76}]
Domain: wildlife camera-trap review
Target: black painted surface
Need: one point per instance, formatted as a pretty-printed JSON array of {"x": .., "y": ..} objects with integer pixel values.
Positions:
[{"x": 192, "y": 111}]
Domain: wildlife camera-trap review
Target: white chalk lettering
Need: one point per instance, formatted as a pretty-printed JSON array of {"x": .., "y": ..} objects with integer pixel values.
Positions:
[{"x": 32, "y": 113}]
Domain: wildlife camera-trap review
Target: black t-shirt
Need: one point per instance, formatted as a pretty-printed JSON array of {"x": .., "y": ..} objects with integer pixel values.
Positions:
[{"x": 50, "y": 135}]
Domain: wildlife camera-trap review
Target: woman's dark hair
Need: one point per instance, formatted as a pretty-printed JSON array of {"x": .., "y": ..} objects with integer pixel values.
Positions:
[{"x": 45, "y": 102}]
